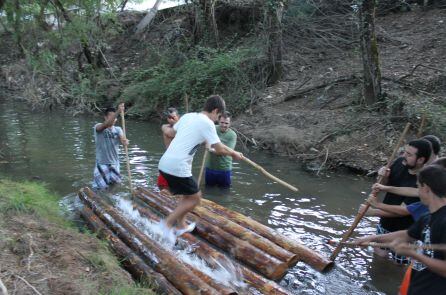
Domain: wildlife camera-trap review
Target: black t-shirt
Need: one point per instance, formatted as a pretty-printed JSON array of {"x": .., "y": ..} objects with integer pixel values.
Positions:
[
  {"x": 429, "y": 229},
  {"x": 399, "y": 177}
]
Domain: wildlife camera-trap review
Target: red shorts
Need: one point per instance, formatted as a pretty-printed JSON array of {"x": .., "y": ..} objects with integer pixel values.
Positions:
[{"x": 162, "y": 182}]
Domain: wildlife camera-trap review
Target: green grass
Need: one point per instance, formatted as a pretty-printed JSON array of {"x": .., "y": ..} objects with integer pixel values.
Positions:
[{"x": 32, "y": 198}]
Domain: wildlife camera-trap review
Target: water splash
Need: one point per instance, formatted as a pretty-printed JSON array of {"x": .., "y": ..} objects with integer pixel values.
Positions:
[{"x": 225, "y": 272}]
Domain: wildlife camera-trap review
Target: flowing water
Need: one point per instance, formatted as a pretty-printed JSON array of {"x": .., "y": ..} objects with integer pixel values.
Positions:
[{"x": 59, "y": 149}]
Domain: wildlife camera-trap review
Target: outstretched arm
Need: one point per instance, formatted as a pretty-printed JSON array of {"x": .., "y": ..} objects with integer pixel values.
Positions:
[
  {"x": 401, "y": 191},
  {"x": 222, "y": 150}
]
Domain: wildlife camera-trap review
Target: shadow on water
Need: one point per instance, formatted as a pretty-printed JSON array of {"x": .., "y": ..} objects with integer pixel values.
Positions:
[{"x": 59, "y": 150}]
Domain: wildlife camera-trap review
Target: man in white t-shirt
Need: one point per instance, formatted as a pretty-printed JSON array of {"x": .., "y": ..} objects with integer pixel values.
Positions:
[{"x": 175, "y": 165}]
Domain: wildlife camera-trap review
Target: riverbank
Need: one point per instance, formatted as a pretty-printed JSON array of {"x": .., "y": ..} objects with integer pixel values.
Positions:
[
  {"x": 41, "y": 250},
  {"x": 314, "y": 114}
]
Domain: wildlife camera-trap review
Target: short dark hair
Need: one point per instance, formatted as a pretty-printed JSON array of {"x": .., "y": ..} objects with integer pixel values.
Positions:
[
  {"x": 214, "y": 102},
  {"x": 170, "y": 111},
  {"x": 440, "y": 162},
  {"x": 435, "y": 142},
  {"x": 434, "y": 176},
  {"x": 424, "y": 148},
  {"x": 109, "y": 110},
  {"x": 225, "y": 115}
]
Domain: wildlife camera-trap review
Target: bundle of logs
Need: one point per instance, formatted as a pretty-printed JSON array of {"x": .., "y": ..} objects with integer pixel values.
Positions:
[{"x": 262, "y": 255}]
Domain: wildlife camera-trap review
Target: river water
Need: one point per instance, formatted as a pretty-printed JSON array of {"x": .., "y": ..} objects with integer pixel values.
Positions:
[{"x": 59, "y": 149}]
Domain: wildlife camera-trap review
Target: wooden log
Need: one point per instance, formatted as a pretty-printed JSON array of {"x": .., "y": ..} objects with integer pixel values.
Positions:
[
  {"x": 159, "y": 259},
  {"x": 239, "y": 231},
  {"x": 304, "y": 254},
  {"x": 266, "y": 264},
  {"x": 211, "y": 255},
  {"x": 132, "y": 262}
]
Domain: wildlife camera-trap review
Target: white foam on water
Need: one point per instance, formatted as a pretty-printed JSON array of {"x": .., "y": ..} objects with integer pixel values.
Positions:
[{"x": 226, "y": 273}]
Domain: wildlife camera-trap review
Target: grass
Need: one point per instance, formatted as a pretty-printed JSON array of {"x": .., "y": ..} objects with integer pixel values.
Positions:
[
  {"x": 32, "y": 198},
  {"x": 36, "y": 202}
]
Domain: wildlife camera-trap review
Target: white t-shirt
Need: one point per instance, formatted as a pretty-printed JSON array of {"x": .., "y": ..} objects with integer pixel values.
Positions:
[{"x": 192, "y": 130}]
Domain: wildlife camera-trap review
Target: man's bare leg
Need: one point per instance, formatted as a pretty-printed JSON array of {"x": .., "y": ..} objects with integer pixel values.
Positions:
[{"x": 186, "y": 205}]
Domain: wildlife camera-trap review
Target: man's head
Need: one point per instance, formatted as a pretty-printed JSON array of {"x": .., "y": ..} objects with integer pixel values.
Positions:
[
  {"x": 224, "y": 121},
  {"x": 440, "y": 162},
  {"x": 417, "y": 153},
  {"x": 435, "y": 142},
  {"x": 110, "y": 113},
  {"x": 432, "y": 183},
  {"x": 172, "y": 116},
  {"x": 214, "y": 106}
]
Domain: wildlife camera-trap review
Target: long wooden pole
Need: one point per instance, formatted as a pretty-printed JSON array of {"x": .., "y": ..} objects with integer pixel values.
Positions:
[
  {"x": 203, "y": 163},
  {"x": 441, "y": 247},
  {"x": 269, "y": 175},
  {"x": 127, "y": 154},
  {"x": 186, "y": 102},
  {"x": 422, "y": 125},
  {"x": 361, "y": 214}
]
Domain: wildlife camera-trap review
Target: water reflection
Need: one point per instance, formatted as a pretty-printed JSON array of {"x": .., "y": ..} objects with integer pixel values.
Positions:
[{"x": 59, "y": 149}]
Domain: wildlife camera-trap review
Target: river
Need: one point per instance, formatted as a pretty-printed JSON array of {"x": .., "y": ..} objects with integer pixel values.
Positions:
[{"x": 58, "y": 149}]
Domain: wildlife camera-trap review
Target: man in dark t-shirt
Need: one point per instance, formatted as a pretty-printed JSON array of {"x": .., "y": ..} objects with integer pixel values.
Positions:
[
  {"x": 402, "y": 173},
  {"x": 428, "y": 274}
]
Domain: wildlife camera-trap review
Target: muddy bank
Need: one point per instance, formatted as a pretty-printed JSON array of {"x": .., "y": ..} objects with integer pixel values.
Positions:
[
  {"x": 314, "y": 114},
  {"x": 41, "y": 251}
]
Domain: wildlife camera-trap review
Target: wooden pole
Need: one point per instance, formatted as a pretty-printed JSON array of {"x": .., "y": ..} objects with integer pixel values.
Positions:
[
  {"x": 186, "y": 102},
  {"x": 361, "y": 214},
  {"x": 269, "y": 175},
  {"x": 441, "y": 247},
  {"x": 422, "y": 125},
  {"x": 127, "y": 154},
  {"x": 203, "y": 164}
]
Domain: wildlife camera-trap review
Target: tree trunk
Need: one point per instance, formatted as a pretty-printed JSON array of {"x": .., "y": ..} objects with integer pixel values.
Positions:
[
  {"x": 214, "y": 257},
  {"x": 18, "y": 26},
  {"x": 123, "y": 4},
  {"x": 41, "y": 17},
  {"x": 84, "y": 43},
  {"x": 145, "y": 22},
  {"x": 274, "y": 14},
  {"x": 264, "y": 263},
  {"x": 132, "y": 262},
  {"x": 161, "y": 260},
  {"x": 370, "y": 54}
]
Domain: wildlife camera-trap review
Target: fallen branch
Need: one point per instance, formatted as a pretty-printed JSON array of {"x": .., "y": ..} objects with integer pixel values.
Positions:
[
  {"x": 29, "y": 285},
  {"x": 31, "y": 252},
  {"x": 323, "y": 85},
  {"x": 419, "y": 66},
  {"x": 325, "y": 161}
]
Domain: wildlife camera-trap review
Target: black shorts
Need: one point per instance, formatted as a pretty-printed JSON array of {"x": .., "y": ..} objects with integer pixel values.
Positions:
[{"x": 181, "y": 185}]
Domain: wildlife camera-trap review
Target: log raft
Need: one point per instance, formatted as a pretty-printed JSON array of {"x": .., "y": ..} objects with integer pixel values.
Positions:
[
  {"x": 212, "y": 256},
  {"x": 159, "y": 259},
  {"x": 259, "y": 260},
  {"x": 260, "y": 254},
  {"x": 301, "y": 252}
]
